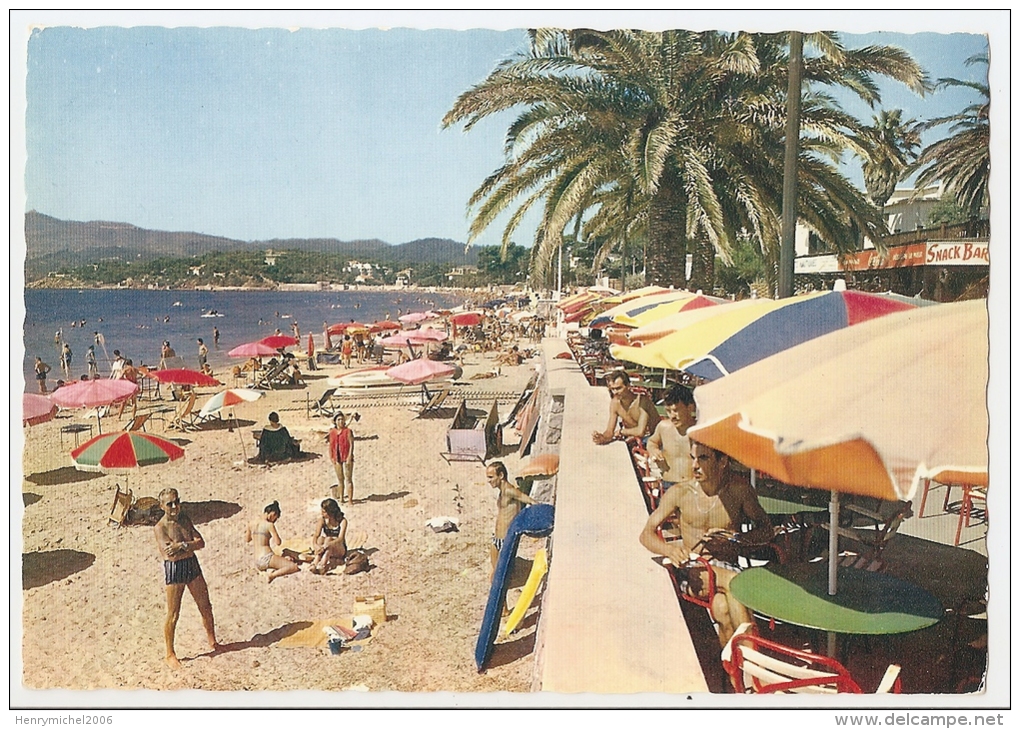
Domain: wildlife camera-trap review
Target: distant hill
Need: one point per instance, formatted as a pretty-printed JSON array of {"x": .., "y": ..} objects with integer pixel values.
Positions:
[{"x": 50, "y": 241}]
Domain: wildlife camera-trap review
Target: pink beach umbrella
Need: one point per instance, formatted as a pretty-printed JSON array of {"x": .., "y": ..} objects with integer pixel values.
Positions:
[
  {"x": 416, "y": 317},
  {"x": 36, "y": 409},
  {"x": 94, "y": 394},
  {"x": 252, "y": 349},
  {"x": 418, "y": 371}
]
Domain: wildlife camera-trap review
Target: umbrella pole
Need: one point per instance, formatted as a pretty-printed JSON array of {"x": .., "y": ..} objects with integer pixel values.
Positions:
[
  {"x": 833, "y": 540},
  {"x": 244, "y": 451}
]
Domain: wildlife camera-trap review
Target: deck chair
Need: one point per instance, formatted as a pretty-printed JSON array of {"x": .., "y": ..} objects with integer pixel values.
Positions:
[
  {"x": 872, "y": 537},
  {"x": 137, "y": 422},
  {"x": 759, "y": 666},
  {"x": 267, "y": 378},
  {"x": 183, "y": 419},
  {"x": 435, "y": 403},
  {"x": 324, "y": 405}
]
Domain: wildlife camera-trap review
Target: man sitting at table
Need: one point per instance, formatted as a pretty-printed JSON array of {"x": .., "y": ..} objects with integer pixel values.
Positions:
[
  {"x": 711, "y": 508},
  {"x": 636, "y": 414}
]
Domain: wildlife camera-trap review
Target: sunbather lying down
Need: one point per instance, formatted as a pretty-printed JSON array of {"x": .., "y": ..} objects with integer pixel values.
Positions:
[
  {"x": 485, "y": 375},
  {"x": 276, "y": 443}
]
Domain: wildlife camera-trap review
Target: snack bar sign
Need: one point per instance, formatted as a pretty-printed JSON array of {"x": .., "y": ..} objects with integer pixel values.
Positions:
[{"x": 957, "y": 254}]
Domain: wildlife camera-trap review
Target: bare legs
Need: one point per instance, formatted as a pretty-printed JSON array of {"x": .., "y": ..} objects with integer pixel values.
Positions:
[
  {"x": 326, "y": 558},
  {"x": 174, "y": 593},
  {"x": 281, "y": 566}
]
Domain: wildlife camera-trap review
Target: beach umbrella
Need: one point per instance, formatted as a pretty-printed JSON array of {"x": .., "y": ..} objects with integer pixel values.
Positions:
[
  {"x": 383, "y": 326},
  {"x": 183, "y": 377},
  {"x": 634, "y": 307},
  {"x": 36, "y": 409},
  {"x": 647, "y": 333},
  {"x": 311, "y": 345},
  {"x": 226, "y": 398},
  {"x": 872, "y": 409},
  {"x": 625, "y": 296},
  {"x": 252, "y": 349},
  {"x": 733, "y": 337},
  {"x": 93, "y": 394},
  {"x": 466, "y": 319},
  {"x": 418, "y": 371},
  {"x": 278, "y": 341},
  {"x": 421, "y": 336},
  {"x": 416, "y": 317},
  {"x": 346, "y": 328},
  {"x": 124, "y": 451}
]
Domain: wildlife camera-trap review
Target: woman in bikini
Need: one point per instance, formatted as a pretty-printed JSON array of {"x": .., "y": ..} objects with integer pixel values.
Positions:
[
  {"x": 263, "y": 532},
  {"x": 330, "y": 539}
]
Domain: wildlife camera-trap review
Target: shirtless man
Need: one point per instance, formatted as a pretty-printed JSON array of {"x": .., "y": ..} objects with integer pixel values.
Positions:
[
  {"x": 177, "y": 540},
  {"x": 668, "y": 446},
  {"x": 635, "y": 413},
  {"x": 262, "y": 532},
  {"x": 509, "y": 503},
  {"x": 713, "y": 505}
]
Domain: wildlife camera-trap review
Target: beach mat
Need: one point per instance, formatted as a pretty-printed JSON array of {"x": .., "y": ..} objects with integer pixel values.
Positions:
[{"x": 315, "y": 637}]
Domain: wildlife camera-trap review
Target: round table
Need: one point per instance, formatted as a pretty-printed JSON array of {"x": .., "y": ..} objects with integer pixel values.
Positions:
[{"x": 866, "y": 603}]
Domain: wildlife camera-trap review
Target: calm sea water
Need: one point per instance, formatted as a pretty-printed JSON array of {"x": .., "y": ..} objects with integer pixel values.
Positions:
[{"x": 137, "y": 322}]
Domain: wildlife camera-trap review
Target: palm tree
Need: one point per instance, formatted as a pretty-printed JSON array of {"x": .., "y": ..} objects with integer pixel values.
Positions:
[
  {"x": 962, "y": 160},
  {"x": 672, "y": 135},
  {"x": 894, "y": 146}
]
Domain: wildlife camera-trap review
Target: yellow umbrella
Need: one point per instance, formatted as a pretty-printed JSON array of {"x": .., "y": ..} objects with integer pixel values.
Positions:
[{"x": 635, "y": 294}]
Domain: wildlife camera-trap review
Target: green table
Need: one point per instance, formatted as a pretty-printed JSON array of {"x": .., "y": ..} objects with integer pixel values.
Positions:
[
  {"x": 777, "y": 506},
  {"x": 866, "y": 603}
]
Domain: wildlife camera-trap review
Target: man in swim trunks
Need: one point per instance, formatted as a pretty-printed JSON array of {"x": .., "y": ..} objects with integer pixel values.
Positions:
[
  {"x": 635, "y": 414},
  {"x": 177, "y": 540},
  {"x": 668, "y": 445},
  {"x": 509, "y": 502},
  {"x": 714, "y": 504}
]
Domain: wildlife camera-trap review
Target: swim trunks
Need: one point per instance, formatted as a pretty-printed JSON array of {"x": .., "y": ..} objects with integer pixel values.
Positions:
[
  {"x": 183, "y": 571},
  {"x": 262, "y": 563},
  {"x": 497, "y": 543}
]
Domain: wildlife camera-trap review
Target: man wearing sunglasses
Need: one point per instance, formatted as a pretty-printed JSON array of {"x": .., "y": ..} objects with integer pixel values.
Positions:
[{"x": 178, "y": 540}]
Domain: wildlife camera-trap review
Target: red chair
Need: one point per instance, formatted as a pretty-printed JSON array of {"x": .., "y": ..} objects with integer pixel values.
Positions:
[
  {"x": 971, "y": 494},
  {"x": 760, "y": 666}
]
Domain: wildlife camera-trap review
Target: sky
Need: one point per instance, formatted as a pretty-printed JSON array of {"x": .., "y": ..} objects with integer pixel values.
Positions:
[{"x": 314, "y": 130}]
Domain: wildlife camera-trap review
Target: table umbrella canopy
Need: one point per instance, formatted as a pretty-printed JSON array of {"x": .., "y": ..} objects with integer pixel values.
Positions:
[
  {"x": 383, "y": 326},
  {"x": 252, "y": 349},
  {"x": 227, "y": 398},
  {"x": 625, "y": 296},
  {"x": 646, "y": 309},
  {"x": 418, "y": 371},
  {"x": 36, "y": 409},
  {"x": 183, "y": 377},
  {"x": 871, "y": 409},
  {"x": 278, "y": 341},
  {"x": 124, "y": 451},
  {"x": 93, "y": 393},
  {"x": 734, "y": 337}
]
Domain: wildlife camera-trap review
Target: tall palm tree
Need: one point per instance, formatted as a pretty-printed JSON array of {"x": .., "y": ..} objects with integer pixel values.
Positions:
[
  {"x": 961, "y": 161},
  {"x": 677, "y": 132},
  {"x": 894, "y": 145}
]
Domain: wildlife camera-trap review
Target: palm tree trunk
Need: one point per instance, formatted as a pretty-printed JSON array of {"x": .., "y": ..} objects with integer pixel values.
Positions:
[
  {"x": 667, "y": 239},
  {"x": 702, "y": 266}
]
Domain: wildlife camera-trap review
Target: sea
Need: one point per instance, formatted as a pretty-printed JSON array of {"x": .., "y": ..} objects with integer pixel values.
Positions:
[{"x": 137, "y": 322}]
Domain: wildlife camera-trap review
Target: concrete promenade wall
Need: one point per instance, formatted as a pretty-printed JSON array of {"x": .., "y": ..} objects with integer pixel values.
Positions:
[{"x": 610, "y": 622}]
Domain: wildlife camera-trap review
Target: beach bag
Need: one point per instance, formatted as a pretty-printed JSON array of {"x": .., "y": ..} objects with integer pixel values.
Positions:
[
  {"x": 146, "y": 511},
  {"x": 356, "y": 561}
]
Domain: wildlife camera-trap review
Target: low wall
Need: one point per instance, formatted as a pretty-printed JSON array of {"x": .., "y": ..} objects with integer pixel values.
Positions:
[{"x": 610, "y": 622}]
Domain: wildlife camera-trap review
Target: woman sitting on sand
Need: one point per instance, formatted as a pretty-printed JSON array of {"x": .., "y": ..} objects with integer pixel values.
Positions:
[
  {"x": 329, "y": 542},
  {"x": 262, "y": 532}
]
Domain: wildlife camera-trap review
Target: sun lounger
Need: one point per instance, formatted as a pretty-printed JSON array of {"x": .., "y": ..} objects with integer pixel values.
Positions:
[
  {"x": 268, "y": 378},
  {"x": 183, "y": 419}
]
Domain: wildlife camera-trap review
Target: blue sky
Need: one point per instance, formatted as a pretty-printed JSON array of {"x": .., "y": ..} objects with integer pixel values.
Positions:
[{"x": 318, "y": 132}]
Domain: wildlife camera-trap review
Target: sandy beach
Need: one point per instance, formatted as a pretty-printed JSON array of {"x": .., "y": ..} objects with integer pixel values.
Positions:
[{"x": 93, "y": 593}]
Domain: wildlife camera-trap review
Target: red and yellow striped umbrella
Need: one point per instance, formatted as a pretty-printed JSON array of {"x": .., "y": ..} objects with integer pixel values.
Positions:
[{"x": 124, "y": 451}]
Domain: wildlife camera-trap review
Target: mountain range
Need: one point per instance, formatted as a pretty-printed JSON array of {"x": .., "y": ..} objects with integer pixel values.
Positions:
[{"x": 50, "y": 241}]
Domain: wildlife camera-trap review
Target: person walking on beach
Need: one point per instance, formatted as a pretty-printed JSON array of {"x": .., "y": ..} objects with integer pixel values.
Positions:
[
  {"x": 177, "y": 540},
  {"x": 203, "y": 355},
  {"x": 66, "y": 355},
  {"x": 329, "y": 542},
  {"x": 346, "y": 350},
  {"x": 41, "y": 370},
  {"x": 263, "y": 533},
  {"x": 509, "y": 502},
  {"x": 341, "y": 453},
  {"x": 90, "y": 362}
]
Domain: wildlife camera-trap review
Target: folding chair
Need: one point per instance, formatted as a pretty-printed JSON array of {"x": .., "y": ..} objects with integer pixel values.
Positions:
[
  {"x": 435, "y": 403},
  {"x": 324, "y": 405},
  {"x": 759, "y": 666},
  {"x": 138, "y": 422},
  {"x": 183, "y": 419}
]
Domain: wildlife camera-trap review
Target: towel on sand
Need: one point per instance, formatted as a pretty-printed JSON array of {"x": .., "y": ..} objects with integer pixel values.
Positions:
[{"x": 315, "y": 636}]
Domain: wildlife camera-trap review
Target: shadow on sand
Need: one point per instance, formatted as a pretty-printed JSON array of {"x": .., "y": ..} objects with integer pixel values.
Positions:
[
  {"x": 61, "y": 476},
  {"x": 42, "y": 568},
  {"x": 383, "y": 497},
  {"x": 29, "y": 498},
  {"x": 202, "y": 512}
]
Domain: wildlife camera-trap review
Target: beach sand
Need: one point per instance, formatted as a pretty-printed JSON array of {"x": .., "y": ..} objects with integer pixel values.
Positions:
[{"x": 93, "y": 592}]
